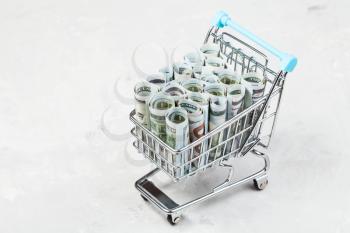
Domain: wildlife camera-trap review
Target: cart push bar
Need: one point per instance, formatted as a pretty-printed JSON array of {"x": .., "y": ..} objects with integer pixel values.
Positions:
[{"x": 288, "y": 62}]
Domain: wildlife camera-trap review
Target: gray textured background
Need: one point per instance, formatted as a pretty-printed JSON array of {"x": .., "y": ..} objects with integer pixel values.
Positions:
[{"x": 59, "y": 62}]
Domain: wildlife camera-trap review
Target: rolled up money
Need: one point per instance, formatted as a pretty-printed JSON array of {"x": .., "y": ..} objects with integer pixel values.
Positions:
[
  {"x": 142, "y": 93},
  {"x": 210, "y": 50},
  {"x": 177, "y": 128},
  {"x": 195, "y": 117},
  {"x": 193, "y": 85},
  {"x": 217, "y": 116},
  {"x": 212, "y": 64},
  {"x": 215, "y": 89},
  {"x": 255, "y": 85},
  {"x": 175, "y": 90},
  {"x": 203, "y": 100},
  {"x": 156, "y": 79},
  {"x": 220, "y": 70},
  {"x": 182, "y": 70},
  {"x": 209, "y": 78},
  {"x": 197, "y": 74},
  {"x": 195, "y": 59},
  {"x": 177, "y": 136},
  {"x": 168, "y": 73},
  {"x": 228, "y": 77},
  {"x": 196, "y": 127},
  {"x": 235, "y": 97},
  {"x": 159, "y": 105}
]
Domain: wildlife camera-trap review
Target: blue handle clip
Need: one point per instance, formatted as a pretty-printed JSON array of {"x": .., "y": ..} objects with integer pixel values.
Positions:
[{"x": 288, "y": 61}]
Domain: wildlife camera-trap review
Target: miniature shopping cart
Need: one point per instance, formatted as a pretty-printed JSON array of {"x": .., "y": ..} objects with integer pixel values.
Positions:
[{"x": 249, "y": 132}]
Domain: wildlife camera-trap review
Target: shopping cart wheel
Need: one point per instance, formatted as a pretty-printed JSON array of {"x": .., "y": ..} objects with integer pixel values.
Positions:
[
  {"x": 261, "y": 182},
  {"x": 145, "y": 199},
  {"x": 173, "y": 220}
]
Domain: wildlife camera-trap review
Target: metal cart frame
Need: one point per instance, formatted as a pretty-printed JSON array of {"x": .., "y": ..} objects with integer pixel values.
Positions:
[{"x": 241, "y": 135}]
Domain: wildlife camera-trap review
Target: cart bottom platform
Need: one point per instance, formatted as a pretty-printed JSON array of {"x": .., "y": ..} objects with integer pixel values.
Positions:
[{"x": 150, "y": 192}]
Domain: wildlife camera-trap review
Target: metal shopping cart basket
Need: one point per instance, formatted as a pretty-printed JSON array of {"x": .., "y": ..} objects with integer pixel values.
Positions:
[{"x": 249, "y": 132}]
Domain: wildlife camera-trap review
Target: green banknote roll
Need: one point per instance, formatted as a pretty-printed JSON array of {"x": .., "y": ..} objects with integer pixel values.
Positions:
[
  {"x": 142, "y": 94},
  {"x": 159, "y": 105}
]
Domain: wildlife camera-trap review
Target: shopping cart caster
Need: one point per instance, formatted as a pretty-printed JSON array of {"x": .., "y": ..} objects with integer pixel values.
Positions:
[
  {"x": 261, "y": 182},
  {"x": 173, "y": 219},
  {"x": 145, "y": 199}
]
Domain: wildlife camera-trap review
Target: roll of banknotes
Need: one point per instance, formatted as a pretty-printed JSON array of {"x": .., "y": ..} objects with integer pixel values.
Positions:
[
  {"x": 159, "y": 105},
  {"x": 255, "y": 85},
  {"x": 235, "y": 97},
  {"x": 168, "y": 73},
  {"x": 193, "y": 85},
  {"x": 196, "y": 127},
  {"x": 197, "y": 74},
  {"x": 177, "y": 136},
  {"x": 175, "y": 90},
  {"x": 217, "y": 116},
  {"x": 195, "y": 59},
  {"x": 195, "y": 116},
  {"x": 228, "y": 77},
  {"x": 215, "y": 89},
  {"x": 209, "y": 78},
  {"x": 142, "y": 93},
  {"x": 212, "y": 64},
  {"x": 210, "y": 50},
  {"x": 156, "y": 79},
  {"x": 177, "y": 128},
  {"x": 220, "y": 70},
  {"x": 182, "y": 70},
  {"x": 203, "y": 100}
]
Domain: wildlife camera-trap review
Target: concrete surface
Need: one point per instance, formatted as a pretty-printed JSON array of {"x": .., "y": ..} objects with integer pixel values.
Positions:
[{"x": 65, "y": 63}]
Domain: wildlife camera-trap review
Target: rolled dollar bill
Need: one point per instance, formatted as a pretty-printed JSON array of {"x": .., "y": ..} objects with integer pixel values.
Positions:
[
  {"x": 209, "y": 78},
  {"x": 235, "y": 97},
  {"x": 215, "y": 89},
  {"x": 212, "y": 64},
  {"x": 217, "y": 116},
  {"x": 228, "y": 77},
  {"x": 196, "y": 127},
  {"x": 175, "y": 90},
  {"x": 203, "y": 100},
  {"x": 220, "y": 70},
  {"x": 197, "y": 74},
  {"x": 210, "y": 50},
  {"x": 195, "y": 117},
  {"x": 142, "y": 93},
  {"x": 195, "y": 59},
  {"x": 255, "y": 85},
  {"x": 193, "y": 85},
  {"x": 168, "y": 73},
  {"x": 177, "y": 128},
  {"x": 177, "y": 136},
  {"x": 159, "y": 105},
  {"x": 182, "y": 70},
  {"x": 156, "y": 79}
]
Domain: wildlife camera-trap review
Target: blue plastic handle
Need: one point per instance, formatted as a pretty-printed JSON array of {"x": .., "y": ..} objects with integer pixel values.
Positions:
[{"x": 288, "y": 62}]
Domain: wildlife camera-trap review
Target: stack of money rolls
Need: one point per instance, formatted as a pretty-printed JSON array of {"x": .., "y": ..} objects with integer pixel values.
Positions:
[{"x": 187, "y": 100}]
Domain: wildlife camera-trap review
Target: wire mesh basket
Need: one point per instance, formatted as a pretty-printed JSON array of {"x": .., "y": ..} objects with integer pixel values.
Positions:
[{"x": 236, "y": 137}]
